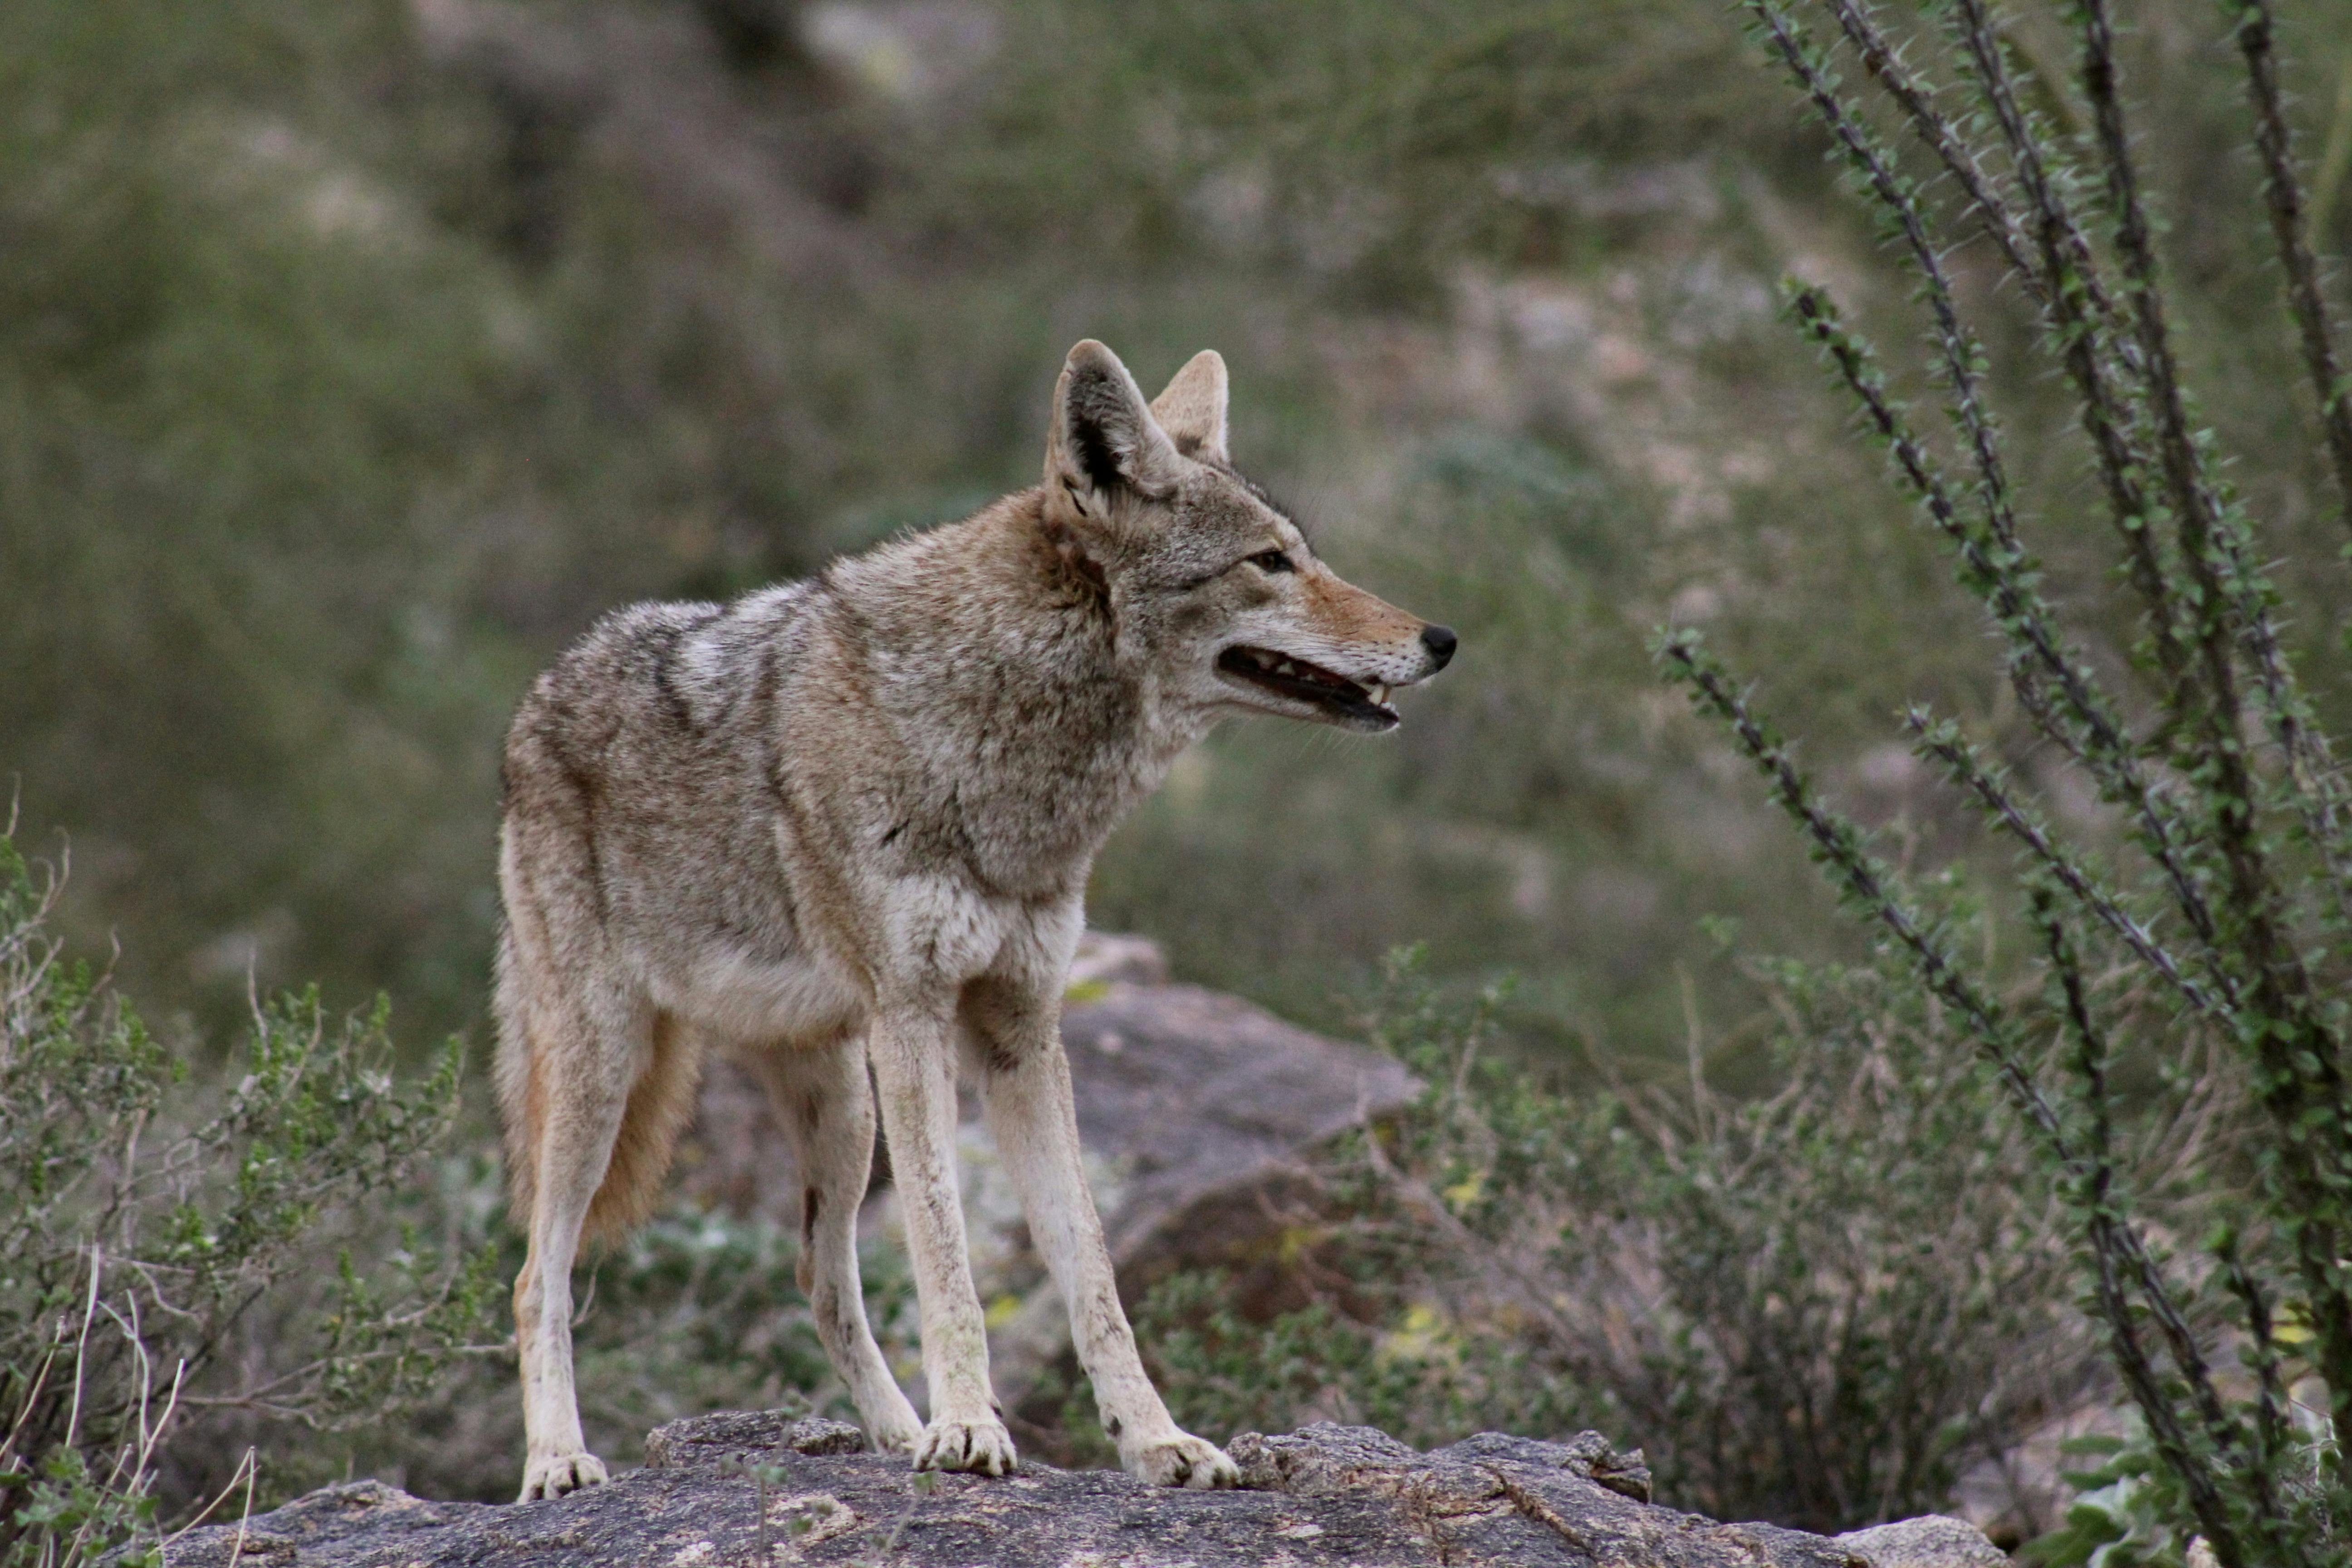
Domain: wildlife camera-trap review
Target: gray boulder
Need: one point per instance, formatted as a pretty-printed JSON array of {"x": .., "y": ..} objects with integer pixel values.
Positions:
[
  {"x": 1326, "y": 1495},
  {"x": 1931, "y": 1540},
  {"x": 1198, "y": 1111},
  {"x": 1208, "y": 1106}
]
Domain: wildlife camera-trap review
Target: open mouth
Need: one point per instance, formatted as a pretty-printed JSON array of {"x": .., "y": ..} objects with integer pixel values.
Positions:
[{"x": 1287, "y": 674}]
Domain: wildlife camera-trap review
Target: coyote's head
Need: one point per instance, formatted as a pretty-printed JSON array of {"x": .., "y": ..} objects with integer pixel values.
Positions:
[{"x": 1205, "y": 575}]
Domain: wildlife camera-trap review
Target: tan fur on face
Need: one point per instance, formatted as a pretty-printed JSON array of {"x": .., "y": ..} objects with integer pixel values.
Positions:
[{"x": 847, "y": 823}]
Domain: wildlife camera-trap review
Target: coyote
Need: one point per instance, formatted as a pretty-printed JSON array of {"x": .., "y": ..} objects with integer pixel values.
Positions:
[{"x": 846, "y": 824}]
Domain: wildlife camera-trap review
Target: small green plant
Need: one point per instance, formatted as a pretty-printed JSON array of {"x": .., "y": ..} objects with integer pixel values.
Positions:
[
  {"x": 762, "y": 1479},
  {"x": 161, "y": 1299},
  {"x": 1409, "y": 1369},
  {"x": 2206, "y": 921},
  {"x": 2126, "y": 1512}
]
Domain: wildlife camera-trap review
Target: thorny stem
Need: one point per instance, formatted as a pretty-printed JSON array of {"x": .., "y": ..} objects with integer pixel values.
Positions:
[
  {"x": 2216, "y": 558},
  {"x": 2191, "y": 555},
  {"x": 1943, "y": 741},
  {"x": 1998, "y": 570},
  {"x": 2212, "y": 555},
  {"x": 2298, "y": 1051},
  {"x": 1960, "y": 353},
  {"x": 2283, "y": 196},
  {"x": 2261, "y": 1350},
  {"x": 2106, "y": 751},
  {"x": 1838, "y": 845},
  {"x": 2282, "y": 193},
  {"x": 2214, "y": 550},
  {"x": 2081, "y": 318},
  {"x": 2122, "y": 1256},
  {"x": 2095, "y": 1194},
  {"x": 2091, "y": 1056},
  {"x": 2197, "y": 510},
  {"x": 1963, "y": 356},
  {"x": 1916, "y": 98}
]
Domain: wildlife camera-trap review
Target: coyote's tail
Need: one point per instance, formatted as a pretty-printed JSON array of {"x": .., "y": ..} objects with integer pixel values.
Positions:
[{"x": 530, "y": 1076}]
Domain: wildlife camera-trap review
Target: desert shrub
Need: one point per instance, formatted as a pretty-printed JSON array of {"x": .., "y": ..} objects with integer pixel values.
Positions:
[
  {"x": 1813, "y": 1305},
  {"x": 178, "y": 1279},
  {"x": 2204, "y": 913},
  {"x": 221, "y": 1286},
  {"x": 1410, "y": 1370}
]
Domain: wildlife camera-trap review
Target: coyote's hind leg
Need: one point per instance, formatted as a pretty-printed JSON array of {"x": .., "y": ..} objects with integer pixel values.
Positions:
[
  {"x": 822, "y": 1097},
  {"x": 584, "y": 1062}
]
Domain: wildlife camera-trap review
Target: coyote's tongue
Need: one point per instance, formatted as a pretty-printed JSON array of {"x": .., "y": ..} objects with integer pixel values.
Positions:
[{"x": 1287, "y": 674}]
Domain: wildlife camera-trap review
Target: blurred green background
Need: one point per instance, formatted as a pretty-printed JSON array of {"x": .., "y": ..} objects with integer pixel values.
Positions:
[{"x": 354, "y": 354}]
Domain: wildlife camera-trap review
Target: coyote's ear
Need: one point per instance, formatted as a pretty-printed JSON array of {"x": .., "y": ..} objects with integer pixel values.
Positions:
[
  {"x": 1103, "y": 439},
  {"x": 1191, "y": 408}
]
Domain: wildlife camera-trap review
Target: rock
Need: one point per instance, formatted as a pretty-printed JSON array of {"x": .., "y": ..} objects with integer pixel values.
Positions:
[
  {"x": 735, "y": 1156},
  {"x": 2022, "y": 1491},
  {"x": 1190, "y": 1094},
  {"x": 1209, "y": 1104},
  {"x": 1931, "y": 1540},
  {"x": 1105, "y": 958},
  {"x": 1326, "y": 1495},
  {"x": 359, "y": 1521},
  {"x": 1496, "y": 1498},
  {"x": 1589, "y": 1454},
  {"x": 743, "y": 1434},
  {"x": 1197, "y": 1111}
]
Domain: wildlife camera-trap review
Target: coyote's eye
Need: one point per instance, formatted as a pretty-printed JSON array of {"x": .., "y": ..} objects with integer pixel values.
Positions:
[{"x": 1272, "y": 560}]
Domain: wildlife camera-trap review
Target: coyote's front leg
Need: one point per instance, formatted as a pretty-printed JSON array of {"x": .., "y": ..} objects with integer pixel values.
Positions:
[
  {"x": 821, "y": 1098},
  {"x": 1033, "y": 1115},
  {"x": 913, "y": 1052}
]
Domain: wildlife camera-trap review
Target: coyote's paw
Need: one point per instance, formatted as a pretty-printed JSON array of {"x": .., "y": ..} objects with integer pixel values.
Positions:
[
  {"x": 561, "y": 1473},
  {"x": 896, "y": 1433},
  {"x": 982, "y": 1447},
  {"x": 1182, "y": 1460}
]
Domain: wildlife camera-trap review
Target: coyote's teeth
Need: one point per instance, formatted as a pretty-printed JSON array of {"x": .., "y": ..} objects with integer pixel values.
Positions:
[
  {"x": 1285, "y": 668},
  {"x": 1381, "y": 694}
]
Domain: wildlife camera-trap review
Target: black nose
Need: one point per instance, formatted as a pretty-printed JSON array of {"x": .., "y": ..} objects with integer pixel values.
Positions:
[{"x": 1439, "y": 641}]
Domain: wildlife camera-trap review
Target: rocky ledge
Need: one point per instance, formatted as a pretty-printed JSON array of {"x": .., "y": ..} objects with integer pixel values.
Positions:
[{"x": 1324, "y": 1495}]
